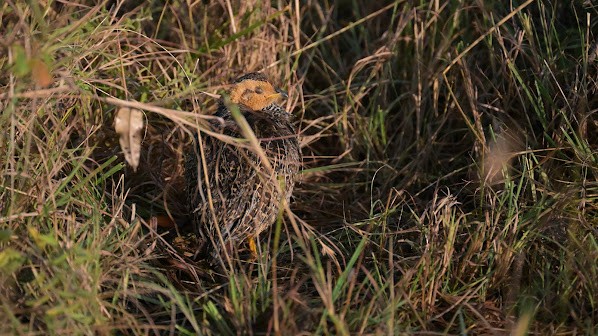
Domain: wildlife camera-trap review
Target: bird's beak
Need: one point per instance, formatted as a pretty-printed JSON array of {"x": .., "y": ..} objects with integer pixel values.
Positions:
[{"x": 282, "y": 93}]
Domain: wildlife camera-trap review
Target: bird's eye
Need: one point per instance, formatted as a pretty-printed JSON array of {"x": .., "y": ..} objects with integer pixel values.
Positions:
[{"x": 259, "y": 90}]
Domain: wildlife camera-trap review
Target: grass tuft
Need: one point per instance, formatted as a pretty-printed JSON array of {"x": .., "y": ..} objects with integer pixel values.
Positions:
[{"x": 449, "y": 180}]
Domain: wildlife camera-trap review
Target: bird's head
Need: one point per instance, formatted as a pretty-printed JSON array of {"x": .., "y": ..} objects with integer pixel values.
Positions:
[{"x": 255, "y": 91}]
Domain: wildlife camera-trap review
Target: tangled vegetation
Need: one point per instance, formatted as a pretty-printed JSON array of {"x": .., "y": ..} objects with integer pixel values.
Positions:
[{"x": 449, "y": 182}]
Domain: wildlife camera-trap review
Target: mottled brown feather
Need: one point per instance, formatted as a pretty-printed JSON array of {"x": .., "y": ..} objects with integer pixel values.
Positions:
[{"x": 244, "y": 194}]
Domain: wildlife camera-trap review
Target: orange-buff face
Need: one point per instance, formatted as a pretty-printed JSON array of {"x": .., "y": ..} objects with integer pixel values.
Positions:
[{"x": 254, "y": 94}]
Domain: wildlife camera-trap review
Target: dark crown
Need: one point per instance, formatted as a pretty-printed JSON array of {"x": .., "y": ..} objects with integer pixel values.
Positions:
[{"x": 258, "y": 76}]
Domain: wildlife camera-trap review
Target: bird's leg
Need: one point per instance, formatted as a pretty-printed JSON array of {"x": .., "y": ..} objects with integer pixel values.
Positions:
[{"x": 252, "y": 247}]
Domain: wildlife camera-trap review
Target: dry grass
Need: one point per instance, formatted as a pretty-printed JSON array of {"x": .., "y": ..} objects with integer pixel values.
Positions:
[{"x": 449, "y": 182}]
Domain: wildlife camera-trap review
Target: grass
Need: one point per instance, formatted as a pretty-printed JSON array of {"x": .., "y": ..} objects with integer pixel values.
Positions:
[{"x": 449, "y": 183}]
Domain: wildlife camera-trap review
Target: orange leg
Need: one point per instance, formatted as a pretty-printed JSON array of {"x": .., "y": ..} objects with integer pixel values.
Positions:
[{"x": 252, "y": 247}]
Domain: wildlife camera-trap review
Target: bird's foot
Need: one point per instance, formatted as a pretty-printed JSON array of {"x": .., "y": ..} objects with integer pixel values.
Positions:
[{"x": 252, "y": 248}]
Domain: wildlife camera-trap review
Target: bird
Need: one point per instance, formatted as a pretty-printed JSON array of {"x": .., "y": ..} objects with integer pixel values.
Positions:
[{"x": 233, "y": 195}]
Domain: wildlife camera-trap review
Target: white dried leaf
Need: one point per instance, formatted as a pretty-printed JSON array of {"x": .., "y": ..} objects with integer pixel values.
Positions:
[{"x": 128, "y": 123}]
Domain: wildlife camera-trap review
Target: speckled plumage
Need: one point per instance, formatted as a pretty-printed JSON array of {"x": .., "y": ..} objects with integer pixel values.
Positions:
[{"x": 245, "y": 199}]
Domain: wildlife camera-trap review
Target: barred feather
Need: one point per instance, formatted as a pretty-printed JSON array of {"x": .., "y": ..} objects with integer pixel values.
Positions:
[{"x": 245, "y": 199}]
